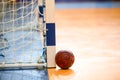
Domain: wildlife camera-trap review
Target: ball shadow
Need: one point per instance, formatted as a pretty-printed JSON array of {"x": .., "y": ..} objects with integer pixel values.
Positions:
[{"x": 64, "y": 72}]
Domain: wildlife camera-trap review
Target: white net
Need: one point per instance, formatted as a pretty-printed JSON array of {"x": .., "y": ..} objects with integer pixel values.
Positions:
[{"x": 21, "y": 34}]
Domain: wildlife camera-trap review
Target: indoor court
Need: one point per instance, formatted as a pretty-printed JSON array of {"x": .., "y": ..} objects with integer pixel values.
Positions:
[
  {"x": 33, "y": 31},
  {"x": 92, "y": 32}
]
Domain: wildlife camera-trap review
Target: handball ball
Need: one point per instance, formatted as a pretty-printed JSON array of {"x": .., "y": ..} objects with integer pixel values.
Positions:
[{"x": 64, "y": 59}]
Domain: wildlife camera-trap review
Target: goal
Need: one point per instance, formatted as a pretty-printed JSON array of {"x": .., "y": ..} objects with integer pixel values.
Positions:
[{"x": 22, "y": 34}]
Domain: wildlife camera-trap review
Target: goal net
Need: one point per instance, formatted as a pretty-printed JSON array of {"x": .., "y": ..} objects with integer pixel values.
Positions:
[{"x": 22, "y": 35}]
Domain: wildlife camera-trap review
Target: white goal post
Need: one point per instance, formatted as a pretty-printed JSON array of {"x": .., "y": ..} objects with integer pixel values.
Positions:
[{"x": 50, "y": 25}]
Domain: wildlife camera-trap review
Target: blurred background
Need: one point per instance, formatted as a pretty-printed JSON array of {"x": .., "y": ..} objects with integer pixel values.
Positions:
[
  {"x": 87, "y": 3},
  {"x": 82, "y": 0},
  {"x": 91, "y": 30}
]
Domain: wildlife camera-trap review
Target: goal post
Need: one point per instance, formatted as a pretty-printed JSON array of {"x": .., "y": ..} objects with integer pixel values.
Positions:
[
  {"x": 51, "y": 39},
  {"x": 48, "y": 9}
]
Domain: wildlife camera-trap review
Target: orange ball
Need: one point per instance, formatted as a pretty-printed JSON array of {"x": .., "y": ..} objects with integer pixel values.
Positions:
[{"x": 64, "y": 59}]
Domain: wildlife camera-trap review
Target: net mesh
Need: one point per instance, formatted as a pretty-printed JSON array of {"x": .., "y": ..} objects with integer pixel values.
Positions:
[{"x": 21, "y": 34}]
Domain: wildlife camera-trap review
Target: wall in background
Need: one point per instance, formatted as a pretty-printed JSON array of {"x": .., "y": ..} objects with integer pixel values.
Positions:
[{"x": 83, "y": 0}]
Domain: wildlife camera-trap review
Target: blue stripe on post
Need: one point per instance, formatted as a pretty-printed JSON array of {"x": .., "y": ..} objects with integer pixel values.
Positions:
[{"x": 51, "y": 41}]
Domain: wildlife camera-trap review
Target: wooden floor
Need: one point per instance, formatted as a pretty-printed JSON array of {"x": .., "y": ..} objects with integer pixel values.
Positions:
[{"x": 93, "y": 35}]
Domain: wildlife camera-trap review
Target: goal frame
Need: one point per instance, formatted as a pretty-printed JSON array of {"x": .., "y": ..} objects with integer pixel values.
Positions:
[{"x": 49, "y": 23}]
